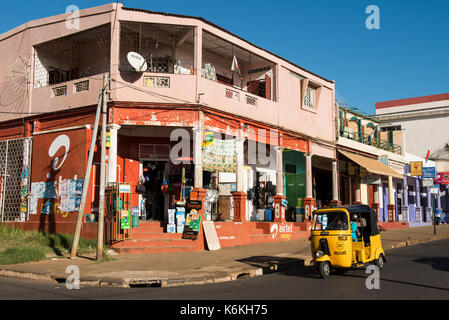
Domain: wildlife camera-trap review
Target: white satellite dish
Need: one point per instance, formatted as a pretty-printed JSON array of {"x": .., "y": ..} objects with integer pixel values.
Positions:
[{"x": 137, "y": 62}]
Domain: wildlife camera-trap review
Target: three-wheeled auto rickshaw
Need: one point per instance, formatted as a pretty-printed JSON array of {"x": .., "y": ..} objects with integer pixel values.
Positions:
[{"x": 345, "y": 237}]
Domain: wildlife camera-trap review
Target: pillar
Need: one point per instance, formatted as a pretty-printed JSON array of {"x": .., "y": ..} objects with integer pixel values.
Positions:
[
  {"x": 438, "y": 198},
  {"x": 279, "y": 209},
  {"x": 112, "y": 153},
  {"x": 417, "y": 201},
  {"x": 428, "y": 205},
  {"x": 335, "y": 199},
  {"x": 391, "y": 204},
  {"x": 198, "y": 193},
  {"x": 357, "y": 199},
  {"x": 447, "y": 199},
  {"x": 197, "y": 158},
  {"x": 376, "y": 204},
  {"x": 309, "y": 201},
  {"x": 405, "y": 211},
  {"x": 240, "y": 195}
]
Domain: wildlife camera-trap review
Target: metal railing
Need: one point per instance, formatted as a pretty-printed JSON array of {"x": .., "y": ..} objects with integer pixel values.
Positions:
[{"x": 371, "y": 141}]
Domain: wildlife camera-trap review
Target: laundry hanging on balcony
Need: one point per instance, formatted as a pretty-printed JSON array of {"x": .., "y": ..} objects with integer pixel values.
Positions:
[{"x": 235, "y": 67}]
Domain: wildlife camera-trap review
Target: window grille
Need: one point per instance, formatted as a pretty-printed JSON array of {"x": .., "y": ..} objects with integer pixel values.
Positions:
[
  {"x": 82, "y": 86},
  {"x": 251, "y": 101},
  {"x": 59, "y": 91},
  {"x": 15, "y": 161},
  {"x": 156, "y": 82},
  {"x": 309, "y": 99},
  {"x": 232, "y": 94}
]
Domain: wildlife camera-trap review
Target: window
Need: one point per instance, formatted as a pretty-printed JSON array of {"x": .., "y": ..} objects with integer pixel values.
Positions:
[
  {"x": 333, "y": 220},
  {"x": 309, "y": 99}
]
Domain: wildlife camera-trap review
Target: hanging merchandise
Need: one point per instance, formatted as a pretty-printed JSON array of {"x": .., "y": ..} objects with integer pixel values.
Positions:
[{"x": 164, "y": 186}]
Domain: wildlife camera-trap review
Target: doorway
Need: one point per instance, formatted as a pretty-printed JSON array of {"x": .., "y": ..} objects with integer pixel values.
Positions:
[{"x": 155, "y": 200}]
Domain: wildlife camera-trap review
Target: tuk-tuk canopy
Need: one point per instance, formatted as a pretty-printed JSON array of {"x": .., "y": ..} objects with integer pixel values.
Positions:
[{"x": 366, "y": 212}]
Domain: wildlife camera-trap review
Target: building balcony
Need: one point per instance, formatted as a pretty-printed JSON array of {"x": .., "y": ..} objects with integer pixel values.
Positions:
[{"x": 370, "y": 140}]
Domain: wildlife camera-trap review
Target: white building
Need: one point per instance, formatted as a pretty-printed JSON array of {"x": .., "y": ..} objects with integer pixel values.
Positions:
[{"x": 425, "y": 121}]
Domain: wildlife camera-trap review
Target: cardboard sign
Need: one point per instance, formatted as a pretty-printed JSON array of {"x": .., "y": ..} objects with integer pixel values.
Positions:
[
  {"x": 416, "y": 168},
  {"x": 124, "y": 219},
  {"x": 194, "y": 204},
  {"x": 192, "y": 226},
  {"x": 211, "y": 235}
]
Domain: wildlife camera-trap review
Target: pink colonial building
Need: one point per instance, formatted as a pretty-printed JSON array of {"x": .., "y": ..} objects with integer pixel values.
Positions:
[{"x": 210, "y": 118}]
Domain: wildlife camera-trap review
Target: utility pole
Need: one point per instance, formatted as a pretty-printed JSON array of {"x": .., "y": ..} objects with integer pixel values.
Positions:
[
  {"x": 79, "y": 221},
  {"x": 104, "y": 111}
]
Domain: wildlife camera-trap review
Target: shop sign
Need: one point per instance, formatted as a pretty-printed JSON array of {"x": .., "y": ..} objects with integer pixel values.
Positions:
[
  {"x": 125, "y": 188},
  {"x": 416, "y": 168},
  {"x": 428, "y": 173},
  {"x": 442, "y": 178},
  {"x": 192, "y": 225},
  {"x": 427, "y": 182},
  {"x": 194, "y": 204},
  {"x": 124, "y": 219},
  {"x": 208, "y": 138}
]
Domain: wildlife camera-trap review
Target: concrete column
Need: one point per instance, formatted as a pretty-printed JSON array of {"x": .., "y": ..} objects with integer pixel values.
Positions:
[
  {"x": 112, "y": 153},
  {"x": 376, "y": 204},
  {"x": 418, "y": 201},
  {"x": 308, "y": 175},
  {"x": 447, "y": 199},
  {"x": 428, "y": 205},
  {"x": 404, "y": 209},
  {"x": 357, "y": 190},
  {"x": 391, "y": 203},
  {"x": 438, "y": 199},
  {"x": 335, "y": 199},
  {"x": 309, "y": 201},
  {"x": 279, "y": 172},
  {"x": 197, "y": 157},
  {"x": 279, "y": 209},
  {"x": 240, "y": 195},
  {"x": 240, "y": 159}
]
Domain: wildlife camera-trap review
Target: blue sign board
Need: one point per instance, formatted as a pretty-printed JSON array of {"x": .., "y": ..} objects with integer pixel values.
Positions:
[{"x": 428, "y": 173}]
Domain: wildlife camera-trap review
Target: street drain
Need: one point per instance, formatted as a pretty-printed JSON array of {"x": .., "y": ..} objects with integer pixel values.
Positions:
[
  {"x": 146, "y": 284},
  {"x": 242, "y": 276}
]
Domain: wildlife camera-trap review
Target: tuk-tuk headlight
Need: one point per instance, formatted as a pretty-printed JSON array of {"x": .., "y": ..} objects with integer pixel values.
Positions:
[{"x": 319, "y": 254}]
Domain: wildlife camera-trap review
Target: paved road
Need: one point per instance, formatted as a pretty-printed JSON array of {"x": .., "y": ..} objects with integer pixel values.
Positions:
[{"x": 415, "y": 272}]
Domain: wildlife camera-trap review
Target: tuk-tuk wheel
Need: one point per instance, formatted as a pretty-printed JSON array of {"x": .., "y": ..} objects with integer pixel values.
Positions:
[
  {"x": 324, "y": 268},
  {"x": 379, "y": 262}
]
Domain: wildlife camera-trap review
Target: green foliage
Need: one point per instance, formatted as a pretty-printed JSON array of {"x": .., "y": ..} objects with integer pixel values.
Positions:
[
  {"x": 21, "y": 255},
  {"x": 14, "y": 241}
]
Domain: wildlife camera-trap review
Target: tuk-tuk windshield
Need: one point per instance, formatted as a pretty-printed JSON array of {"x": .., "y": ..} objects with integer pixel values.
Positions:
[{"x": 330, "y": 220}]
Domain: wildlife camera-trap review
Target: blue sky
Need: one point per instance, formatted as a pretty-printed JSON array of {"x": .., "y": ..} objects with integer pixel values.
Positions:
[{"x": 406, "y": 57}]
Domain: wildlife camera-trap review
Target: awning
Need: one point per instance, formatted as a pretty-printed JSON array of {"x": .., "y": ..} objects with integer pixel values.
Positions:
[{"x": 372, "y": 165}]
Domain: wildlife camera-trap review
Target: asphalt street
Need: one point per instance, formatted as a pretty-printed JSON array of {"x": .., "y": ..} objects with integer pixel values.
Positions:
[{"x": 415, "y": 272}]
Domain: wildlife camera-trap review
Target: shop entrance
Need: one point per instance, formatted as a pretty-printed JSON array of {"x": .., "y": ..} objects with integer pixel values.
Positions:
[{"x": 154, "y": 199}]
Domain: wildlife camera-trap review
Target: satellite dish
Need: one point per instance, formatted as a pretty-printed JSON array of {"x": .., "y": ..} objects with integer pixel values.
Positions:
[{"x": 137, "y": 62}]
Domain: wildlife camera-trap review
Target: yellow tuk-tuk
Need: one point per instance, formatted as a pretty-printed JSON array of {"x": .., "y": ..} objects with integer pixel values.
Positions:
[{"x": 345, "y": 237}]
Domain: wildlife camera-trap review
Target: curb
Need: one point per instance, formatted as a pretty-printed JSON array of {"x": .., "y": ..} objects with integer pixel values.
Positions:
[{"x": 217, "y": 277}]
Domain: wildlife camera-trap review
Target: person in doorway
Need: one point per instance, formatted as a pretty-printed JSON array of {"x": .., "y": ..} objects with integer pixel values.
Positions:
[{"x": 354, "y": 229}]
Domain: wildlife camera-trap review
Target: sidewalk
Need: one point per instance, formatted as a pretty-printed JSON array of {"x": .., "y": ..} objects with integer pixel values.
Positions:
[{"x": 200, "y": 267}]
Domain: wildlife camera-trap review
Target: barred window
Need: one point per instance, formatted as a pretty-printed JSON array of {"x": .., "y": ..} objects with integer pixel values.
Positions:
[{"x": 309, "y": 99}]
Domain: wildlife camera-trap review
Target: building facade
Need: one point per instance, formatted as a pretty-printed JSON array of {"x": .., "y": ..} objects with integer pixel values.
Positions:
[
  {"x": 211, "y": 117},
  {"x": 371, "y": 166},
  {"x": 424, "y": 123}
]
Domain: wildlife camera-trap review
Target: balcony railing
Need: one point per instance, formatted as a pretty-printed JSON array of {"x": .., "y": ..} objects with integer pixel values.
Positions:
[{"x": 370, "y": 140}]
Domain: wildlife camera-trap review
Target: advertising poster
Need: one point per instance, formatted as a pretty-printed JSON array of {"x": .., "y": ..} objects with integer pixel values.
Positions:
[
  {"x": 416, "y": 168},
  {"x": 192, "y": 225}
]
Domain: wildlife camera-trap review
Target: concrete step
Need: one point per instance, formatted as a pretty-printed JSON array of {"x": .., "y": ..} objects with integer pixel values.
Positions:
[
  {"x": 155, "y": 249},
  {"x": 156, "y": 235},
  {"x": 162, "y": 242}
]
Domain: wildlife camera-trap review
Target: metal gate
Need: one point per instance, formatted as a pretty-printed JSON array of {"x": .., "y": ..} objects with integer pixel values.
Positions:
[{"x": 15, "y": 179}]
